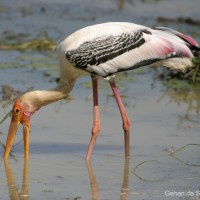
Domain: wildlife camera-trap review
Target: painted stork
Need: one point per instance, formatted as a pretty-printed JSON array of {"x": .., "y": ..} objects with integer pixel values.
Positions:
[{"x": 102, "y": 50}]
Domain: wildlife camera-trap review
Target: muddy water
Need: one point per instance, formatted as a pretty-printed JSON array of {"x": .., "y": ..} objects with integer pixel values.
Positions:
[{"x": 165, "y": 143}]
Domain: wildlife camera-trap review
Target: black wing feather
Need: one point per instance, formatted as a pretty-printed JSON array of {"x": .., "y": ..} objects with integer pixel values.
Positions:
[{"x": 102, "y": 49}]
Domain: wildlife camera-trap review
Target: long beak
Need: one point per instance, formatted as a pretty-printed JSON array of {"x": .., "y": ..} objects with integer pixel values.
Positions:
[
  {"x": 11, "y": 136},
  {"x": 26, "y": 132}
]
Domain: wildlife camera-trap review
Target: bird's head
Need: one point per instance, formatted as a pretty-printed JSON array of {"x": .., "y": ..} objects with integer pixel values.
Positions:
[{"x": 21, "y": 113}]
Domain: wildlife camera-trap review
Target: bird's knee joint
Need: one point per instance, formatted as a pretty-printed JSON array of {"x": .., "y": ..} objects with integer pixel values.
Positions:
[
  {"x": 126, "y": 125},
  {"x": 95, "y": 130},
  {"x": 126, "y": 128}
]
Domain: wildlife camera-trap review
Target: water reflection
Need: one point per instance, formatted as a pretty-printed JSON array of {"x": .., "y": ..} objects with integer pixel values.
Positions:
[
  {"x": 12, "y": 186},
  {"x": 95, "y": 186},
  {"x": 93, "y": 183},
  {"x": 125, "y": 188},
  {"x": 190, "y": 98}
]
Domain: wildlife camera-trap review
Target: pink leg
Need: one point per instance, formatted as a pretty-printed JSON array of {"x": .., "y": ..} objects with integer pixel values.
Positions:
[
  {"x": 125, "y": 119},
  {"x": 96, "y": 118}
]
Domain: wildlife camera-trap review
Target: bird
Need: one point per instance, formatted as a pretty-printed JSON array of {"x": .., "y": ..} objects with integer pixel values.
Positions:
[{"x": 102, "y": 51}]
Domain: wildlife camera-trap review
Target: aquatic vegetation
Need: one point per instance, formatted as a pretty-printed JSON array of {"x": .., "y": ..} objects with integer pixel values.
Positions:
[
  {"x": 11, "y": 41},
  {"x": 179, "y": 80},
  {"x": 9, "y": 94},
  {"x": 153, "y": 166},
  {"x": 187, "y": 20},
  {"x": 188, "y": 148},
  {"x": 195, "y": 75}
]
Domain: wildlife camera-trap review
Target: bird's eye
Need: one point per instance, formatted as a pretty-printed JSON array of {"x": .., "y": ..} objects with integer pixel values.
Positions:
[{"x": 17, "y": 110}]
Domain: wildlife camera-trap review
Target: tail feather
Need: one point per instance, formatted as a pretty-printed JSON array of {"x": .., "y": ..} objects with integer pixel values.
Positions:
[
  {"x": 185, "y": 50},
  {"x": 195, "y": 48},
  {"x": 193, "y": 44}
]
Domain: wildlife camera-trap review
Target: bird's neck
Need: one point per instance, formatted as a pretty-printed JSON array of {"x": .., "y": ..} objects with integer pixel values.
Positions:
[
  {"x": 40, "y": 98},
  {"x": 55, "y": 94}
]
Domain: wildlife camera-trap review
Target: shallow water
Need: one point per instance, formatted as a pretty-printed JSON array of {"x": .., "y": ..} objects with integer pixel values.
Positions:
[{"x": 165, "y": 123}]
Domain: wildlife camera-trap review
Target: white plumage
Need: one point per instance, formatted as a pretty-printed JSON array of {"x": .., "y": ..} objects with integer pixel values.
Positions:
[
  {"x": 161, "y": 47},
  {"x": 103, "y": 50}
]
